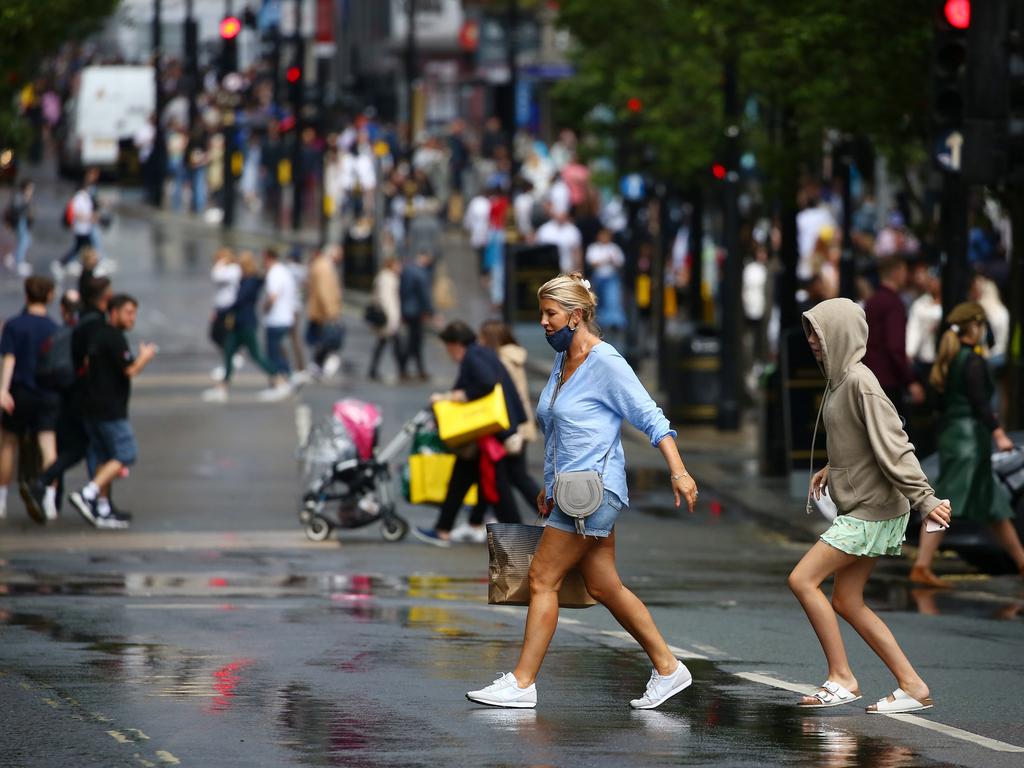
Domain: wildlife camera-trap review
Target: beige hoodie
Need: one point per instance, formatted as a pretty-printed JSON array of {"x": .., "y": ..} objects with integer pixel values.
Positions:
[
  {"x": 513, "y": 357},
  {"x": 872, "y": 467}
]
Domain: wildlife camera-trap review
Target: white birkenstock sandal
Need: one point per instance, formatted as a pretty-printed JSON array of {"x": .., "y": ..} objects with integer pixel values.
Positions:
[
  {"x": 831, "y": 695},
  {"x": 901, "y": 702}
]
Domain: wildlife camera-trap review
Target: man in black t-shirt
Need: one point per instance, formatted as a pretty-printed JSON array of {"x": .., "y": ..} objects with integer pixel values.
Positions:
[
  {"x": 110, "y": 367},
  {"x": 27, "y": 407}
]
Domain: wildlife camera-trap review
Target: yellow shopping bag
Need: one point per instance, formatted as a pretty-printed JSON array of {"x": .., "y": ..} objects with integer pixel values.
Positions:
[
  {"x": 459, "y": 423},
  {"x": 429, "y": 474}
]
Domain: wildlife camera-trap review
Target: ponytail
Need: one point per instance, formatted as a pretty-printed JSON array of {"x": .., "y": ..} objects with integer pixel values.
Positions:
[{"x": 949, "y": 348}]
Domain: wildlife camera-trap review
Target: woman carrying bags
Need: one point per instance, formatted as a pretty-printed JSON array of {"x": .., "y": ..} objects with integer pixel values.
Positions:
[
  {"x": 871, "y": 474},
  {"x": 965, "y": 441},
  {"x": 590, "y": 393},
  {"x": 480, "y": 371}
]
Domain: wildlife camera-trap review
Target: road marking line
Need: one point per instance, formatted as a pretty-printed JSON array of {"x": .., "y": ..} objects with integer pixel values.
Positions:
[
  {"x": 948, "y": 730},
  {"x": 166, "y": 757},
  {"x": 688, "y": 653},
  {"x": 958, "y": 733},
  {"x": 303, "y": 422}
]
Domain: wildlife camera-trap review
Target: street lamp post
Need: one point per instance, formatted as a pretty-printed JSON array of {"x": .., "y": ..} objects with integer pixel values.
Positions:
[
  {"x": 410, "y": 75},
  {"x": 155, "y": 192},
  {"x": 299, "y": 106},
  {"x": 731, "y": 341}
]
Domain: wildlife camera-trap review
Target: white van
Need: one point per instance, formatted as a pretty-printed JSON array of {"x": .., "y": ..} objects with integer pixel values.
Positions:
[{"x": 103, "y": 116}]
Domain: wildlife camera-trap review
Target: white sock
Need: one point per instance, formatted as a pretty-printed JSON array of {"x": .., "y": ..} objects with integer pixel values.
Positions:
[
  {"x": 51, "y": 494},
  {"x": 91, "y": 491},
  {"x": 103, "y": 506},
  {"x": 3, "y": 495}
]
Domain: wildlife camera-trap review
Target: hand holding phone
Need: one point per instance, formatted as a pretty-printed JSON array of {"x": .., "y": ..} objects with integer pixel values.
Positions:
[{"x": 944, "y": 511}]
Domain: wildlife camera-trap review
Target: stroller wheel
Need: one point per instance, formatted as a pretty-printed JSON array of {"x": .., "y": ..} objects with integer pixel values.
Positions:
[
  {"x": 394, "y": 528},
  {"x": 318, "y": 529}
]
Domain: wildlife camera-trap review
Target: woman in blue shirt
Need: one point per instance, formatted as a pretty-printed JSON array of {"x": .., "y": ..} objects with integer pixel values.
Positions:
[{"x": 590, "y": 392}]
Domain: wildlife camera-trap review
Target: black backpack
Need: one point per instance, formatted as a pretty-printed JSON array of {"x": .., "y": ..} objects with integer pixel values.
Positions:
[{"x": 55, "y": 369}]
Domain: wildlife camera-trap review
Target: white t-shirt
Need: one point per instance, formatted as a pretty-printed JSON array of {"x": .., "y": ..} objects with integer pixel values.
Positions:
[
  {"x": 560, "y": 197},
  {"x": 605, "y": 258},
  {"x": 281, "y": 287},
  {"x": 568, "y": 239},
  {"x": 226, "y": 278},
  {"x": 144, "y": 140},
  {"x": 809, "y": 223},
  {"x": 523, "y": 207},
  {"x": 923, "y": 321},
  {"x": 82, "y": 211},
  {"x": 754, "y": 295},
  {"x": 476, "y": 220}
]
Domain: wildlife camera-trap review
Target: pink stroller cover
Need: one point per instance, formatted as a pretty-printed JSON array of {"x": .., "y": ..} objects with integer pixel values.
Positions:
[{"x": 361, "y": 420}]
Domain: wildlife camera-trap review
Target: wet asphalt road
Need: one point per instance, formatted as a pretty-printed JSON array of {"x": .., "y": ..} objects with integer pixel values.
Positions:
[{"x": 214, "y": 634}]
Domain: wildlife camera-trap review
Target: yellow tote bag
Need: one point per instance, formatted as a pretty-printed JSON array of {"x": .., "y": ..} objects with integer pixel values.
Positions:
[
  {"x": 459, "y": 423},
  {"x": 429, "y": 474}
]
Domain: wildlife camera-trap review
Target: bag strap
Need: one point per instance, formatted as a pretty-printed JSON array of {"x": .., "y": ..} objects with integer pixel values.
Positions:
[{"x": 554, "y": 448}]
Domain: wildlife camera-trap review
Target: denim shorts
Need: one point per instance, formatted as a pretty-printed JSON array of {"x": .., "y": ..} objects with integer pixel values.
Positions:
[
  {"x": 599, "y": 524},
  {"x": 112, "y": 440}
]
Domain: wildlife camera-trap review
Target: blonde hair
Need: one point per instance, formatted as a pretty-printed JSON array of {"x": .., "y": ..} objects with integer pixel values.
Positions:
[
  {"x": 223, "y": 254},
  {"x": 949, "y": 348},
  {"x": 570, "y": 292},
  {"x": 248, "y": 263}
]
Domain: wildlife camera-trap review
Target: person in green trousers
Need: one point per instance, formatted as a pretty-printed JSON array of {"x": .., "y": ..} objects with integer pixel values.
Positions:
[{"x": 968, "y": 429}]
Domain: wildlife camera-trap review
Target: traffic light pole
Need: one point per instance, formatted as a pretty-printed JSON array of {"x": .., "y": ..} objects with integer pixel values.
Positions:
[
  {"x": 298, "y": 105},
  {"x": 731, "y": 340},
  {"x": 191, "y": 64},
  {"x": 158, "y": 154},
  {"x": 410, "y": 76},
  {"x": 955, "y": 272}
]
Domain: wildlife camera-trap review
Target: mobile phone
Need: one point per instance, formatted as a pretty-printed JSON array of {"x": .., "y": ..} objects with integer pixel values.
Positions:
[{"x": 933, "y": 527}]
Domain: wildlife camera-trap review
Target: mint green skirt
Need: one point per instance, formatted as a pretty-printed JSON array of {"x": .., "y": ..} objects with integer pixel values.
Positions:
[{"x": 867, "y": 538}]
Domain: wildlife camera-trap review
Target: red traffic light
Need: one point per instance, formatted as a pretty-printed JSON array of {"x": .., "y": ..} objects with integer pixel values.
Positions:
[
  {"x": 718, "y": 171},
  {"x": 634, "y": 105},
  {"x": 293, "y": 74},
  {"x": 230, "y": 27},
  {"x": 958, "y": 13}
]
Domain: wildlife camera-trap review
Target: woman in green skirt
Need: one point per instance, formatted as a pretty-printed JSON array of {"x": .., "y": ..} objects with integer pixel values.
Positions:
[{"x": 965, "y": 442}]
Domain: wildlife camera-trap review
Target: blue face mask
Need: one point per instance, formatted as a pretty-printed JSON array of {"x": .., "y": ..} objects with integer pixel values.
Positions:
[{"x": 561, "y": 339}]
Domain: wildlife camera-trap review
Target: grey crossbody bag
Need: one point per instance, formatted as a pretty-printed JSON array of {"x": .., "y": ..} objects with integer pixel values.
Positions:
[{"x": 577, "y": 494}]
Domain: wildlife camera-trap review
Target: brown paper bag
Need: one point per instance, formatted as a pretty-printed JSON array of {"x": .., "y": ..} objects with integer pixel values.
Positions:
[{"x": 510, "y": 547}]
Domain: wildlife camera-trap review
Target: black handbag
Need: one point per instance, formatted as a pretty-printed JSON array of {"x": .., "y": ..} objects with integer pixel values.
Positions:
[
  {"x": 1008, "y": 466},
  {"x": 375, "y": 315}
]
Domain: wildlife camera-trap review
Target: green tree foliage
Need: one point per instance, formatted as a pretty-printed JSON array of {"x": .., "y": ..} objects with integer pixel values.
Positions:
[
  {"x": 858, "y": 66},
  {"x": 31, "y": 30}
]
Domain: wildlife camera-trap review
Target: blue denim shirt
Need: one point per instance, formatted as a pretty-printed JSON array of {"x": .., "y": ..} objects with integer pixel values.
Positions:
[{"x": 588, "y": 415}]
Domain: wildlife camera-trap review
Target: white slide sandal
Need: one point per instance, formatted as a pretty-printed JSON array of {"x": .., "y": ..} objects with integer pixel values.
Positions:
[
  {"x": 830, "y": 695},
  {"x": 902, "y": 702}
]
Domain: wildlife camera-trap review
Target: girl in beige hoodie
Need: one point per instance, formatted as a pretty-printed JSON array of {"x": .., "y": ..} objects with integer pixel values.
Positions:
[{"x": 874, "y": 478}]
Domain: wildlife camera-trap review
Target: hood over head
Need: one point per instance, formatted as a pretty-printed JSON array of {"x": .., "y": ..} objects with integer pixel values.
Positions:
[{"x": 842, "y": 329}]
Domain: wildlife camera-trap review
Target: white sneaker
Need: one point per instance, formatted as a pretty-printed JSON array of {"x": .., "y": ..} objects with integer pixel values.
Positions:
[
  {"x": 475, "y": 534},
  {"x": 660, "y": 689},
  {"x": 105, "y": 268},
  {"x": 57, "y": 270},
  {"x": 24, "y": 269},
  {"x": 505, "y": 692},
  {"x": 9, "y": 261},
  {"x": 276, "y": 393},
  {"x": 215, "y": 395},
  {"x": 3, "y": 509},
  {"x": 217, "y": 374},
  {"x": 50, "y": 504},
  {"x": 74, "y": 269},
  {"x": 298, "y": 378},
  {"x": 331, "y": 366},
  {"x": 238, "y": 361}
]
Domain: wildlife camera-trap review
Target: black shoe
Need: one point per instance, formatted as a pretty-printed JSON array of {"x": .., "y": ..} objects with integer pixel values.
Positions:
[
  {"x": 33, "y": 502},
  {"x": 124, "y": 513},
  {"x": 86, "y": 507},
  {"x": 114, "y": 521}
]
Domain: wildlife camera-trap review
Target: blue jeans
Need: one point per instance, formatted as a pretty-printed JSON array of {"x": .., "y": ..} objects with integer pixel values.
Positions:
[
  {"x": 199, "y": 189},
  {"x": 180, "y": 176},
  {"x": 276, "y": 336},
  {"x": 24, "y": 241}
]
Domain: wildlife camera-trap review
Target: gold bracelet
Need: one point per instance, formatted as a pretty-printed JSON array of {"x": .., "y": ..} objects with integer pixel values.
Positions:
[{"x": 680, "y": 476}]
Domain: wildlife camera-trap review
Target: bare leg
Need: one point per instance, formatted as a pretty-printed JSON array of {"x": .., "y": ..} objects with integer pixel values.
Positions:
[
  {"x": 557, "y": 553},
  {"x": 848, "y": 601},
  {"x": 48, "y": 447},
  {"x": 605, "y": 586},
  {"x": 8, "y": 449},
  {"x": 820, "y": 562},
  {"x": 1008, "y": 539}
]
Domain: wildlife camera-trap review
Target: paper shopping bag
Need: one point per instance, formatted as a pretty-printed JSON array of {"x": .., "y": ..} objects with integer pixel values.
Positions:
[
  {"x": 460, "y": 423},
  {"x": 511, "y": 547}
]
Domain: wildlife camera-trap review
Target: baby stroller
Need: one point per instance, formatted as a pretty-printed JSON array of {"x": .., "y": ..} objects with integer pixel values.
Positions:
[{"x": 346, "y": 480}]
